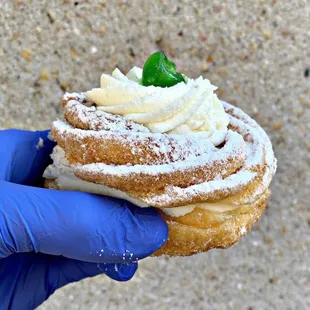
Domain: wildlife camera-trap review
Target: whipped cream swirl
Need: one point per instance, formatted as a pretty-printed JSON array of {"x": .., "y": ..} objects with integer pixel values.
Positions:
[{"x": 191, "y": 108}]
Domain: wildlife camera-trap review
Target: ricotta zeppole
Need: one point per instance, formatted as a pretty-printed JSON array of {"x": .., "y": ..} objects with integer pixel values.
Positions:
[{"x": 157, "y": 138}]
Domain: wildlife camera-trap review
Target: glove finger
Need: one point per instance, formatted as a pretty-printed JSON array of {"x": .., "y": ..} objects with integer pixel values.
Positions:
[
  {"x": 77, "y": 225},
  {"x": 74, "y": 270},
  {"x": 25, "y": 156},
  {"x": 122, "y": 271}
]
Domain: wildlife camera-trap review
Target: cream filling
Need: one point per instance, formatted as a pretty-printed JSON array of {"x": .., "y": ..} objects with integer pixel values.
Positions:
[
  {"x": 214, "y": 207},
  {"x": 64, "y": 176},
  {"x": 191, "y": 108}
]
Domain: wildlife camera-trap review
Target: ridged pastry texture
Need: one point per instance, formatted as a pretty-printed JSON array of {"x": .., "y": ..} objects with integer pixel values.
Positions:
[{"x": 170, "y": 171}]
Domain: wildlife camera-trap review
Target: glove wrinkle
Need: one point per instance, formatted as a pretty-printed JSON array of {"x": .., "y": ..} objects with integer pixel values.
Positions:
[
  {"x": 5, "y": 249},
  {"x": 9, "y": 244},
  {"x": 14, "y": 226}
]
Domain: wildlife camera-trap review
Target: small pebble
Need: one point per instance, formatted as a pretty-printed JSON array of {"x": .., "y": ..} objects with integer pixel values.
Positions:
[
  {"x": 198, "y": 11},
  {"x": 102, "y": 30},
  {"x": 285, "y": 33},
  {"x": 51, "y": 15},
  {"x": 26, "y": 54},
  {"x": 277, "y": 126},
  {"x": 64, "y": 86},
  {"x": 299, "y": 112},
  {"x": 93, "y": 49},
  {"x": 267, "y": 34},
  {"x": 204, "y": 67},
  {"x": 44, "y": 75},
  {"x": 210, "y": 59},
  {"x": 76, "y": 31},
  {"x": 202, "y": 38},
  {"x": 73, "y": 53}
]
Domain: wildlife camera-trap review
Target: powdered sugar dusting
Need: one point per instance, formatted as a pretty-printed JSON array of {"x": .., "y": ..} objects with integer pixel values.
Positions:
[
  {"x": 258, "y": 137},
  {"x": 40, "y": 143},
  {"x": 165, "y": 148},
  {"x": 86, "y": 113},
  {"x": 79, "y": 96},
  {"x": 177, "y": 195},
  {"x": 233, "y": 149}
]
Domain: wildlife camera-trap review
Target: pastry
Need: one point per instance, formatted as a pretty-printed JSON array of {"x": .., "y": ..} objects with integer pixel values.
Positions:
[{"x": 157, "y": 138}]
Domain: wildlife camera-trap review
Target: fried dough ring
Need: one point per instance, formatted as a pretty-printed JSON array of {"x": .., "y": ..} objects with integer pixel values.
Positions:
[{"x": 202, "y": 230}]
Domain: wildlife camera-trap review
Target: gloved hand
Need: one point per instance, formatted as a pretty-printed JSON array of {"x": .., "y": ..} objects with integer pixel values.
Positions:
[{"x": 49, "y": 238}]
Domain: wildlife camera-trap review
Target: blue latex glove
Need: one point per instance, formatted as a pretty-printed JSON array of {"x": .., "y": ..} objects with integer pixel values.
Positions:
[{"x": 49, "y": 238}]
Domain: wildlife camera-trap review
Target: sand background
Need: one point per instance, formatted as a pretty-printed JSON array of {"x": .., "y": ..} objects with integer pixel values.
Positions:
[{"x": 257, "y": 52}]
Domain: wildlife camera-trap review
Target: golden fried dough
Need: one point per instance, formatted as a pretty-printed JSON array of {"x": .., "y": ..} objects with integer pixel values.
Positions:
[{"x": 202, "y": 230}]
